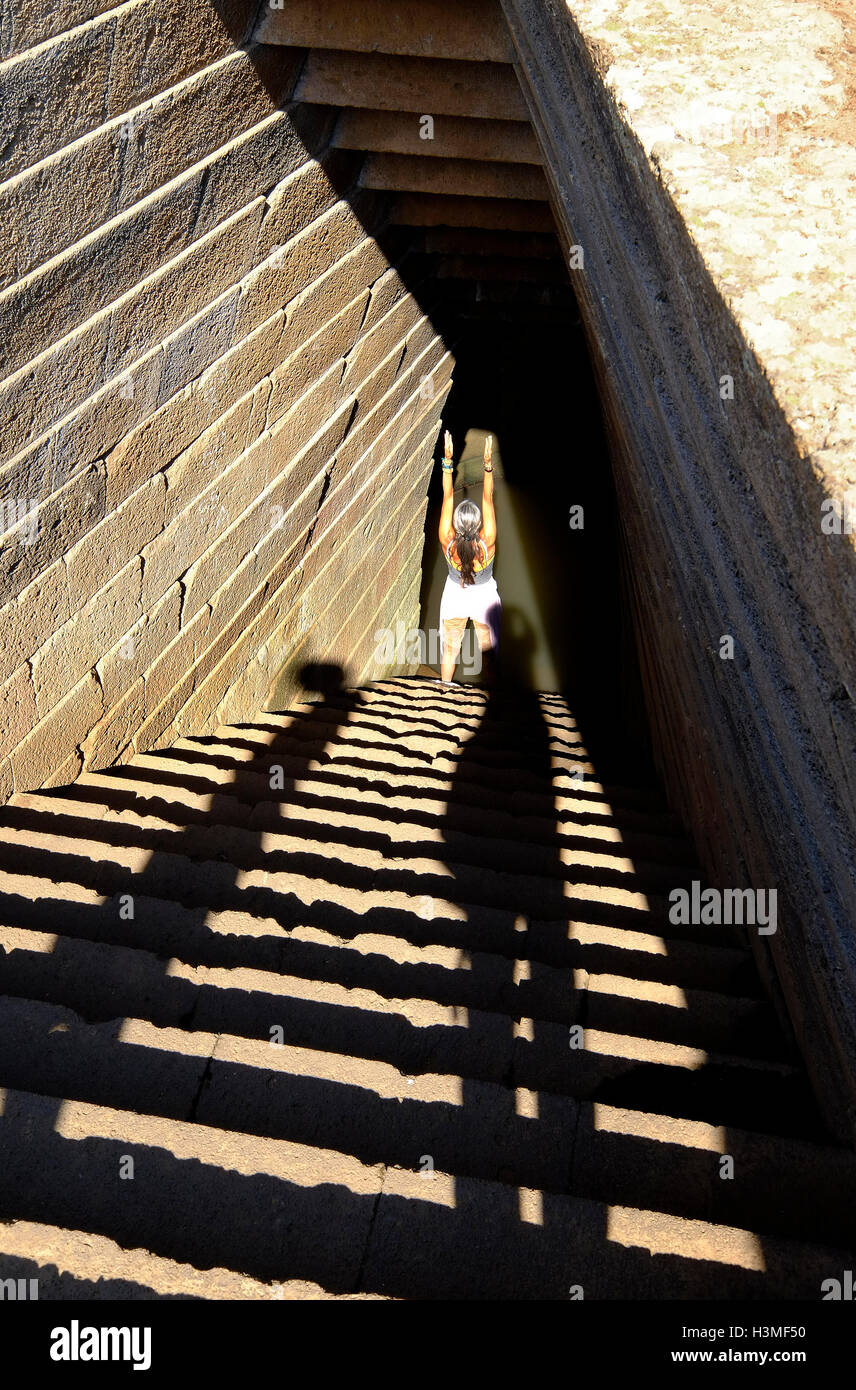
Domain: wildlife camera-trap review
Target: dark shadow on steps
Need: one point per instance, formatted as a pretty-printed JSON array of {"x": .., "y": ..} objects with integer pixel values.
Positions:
[
  {"x": 511, "y": 725},
  {"x": 264, "y": 1221},
  {"x": 67, "y": 1027}
]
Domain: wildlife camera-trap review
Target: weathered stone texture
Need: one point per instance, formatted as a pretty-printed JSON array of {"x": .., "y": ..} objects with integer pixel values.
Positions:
[
  {"x": 197, "y": 359},
  {"x": 462, "y": 177},
  {"x": 715, "y": 291},
  {"x": 46, "y": 531},
  {"x": 18, "y": 711},
  {"x": 24, "y": 24},
  {"x": 40, "y": 608},
  {"x": 54, "y": 739},
  {"x": 53, "y": 300},
  {"x": 398, "y": 132},
  {"x": 76, "y": 647},
  {"x": 83, "y": 77},
  {"x": 140, "y": 647},
  {"x": 417, "y": 27},
  {"x": 392, "y": 83},
  {"x": 66, "y": 373},
  {"x": 263, "y": 666},
  {"x": 497, "y": 214}
]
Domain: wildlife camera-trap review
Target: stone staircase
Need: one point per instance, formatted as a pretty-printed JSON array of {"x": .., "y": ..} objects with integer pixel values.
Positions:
[{"x": 288, "y": 1012}]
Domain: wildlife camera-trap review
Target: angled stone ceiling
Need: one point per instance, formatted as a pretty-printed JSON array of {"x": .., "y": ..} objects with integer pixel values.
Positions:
[{"x": 429, "y": 95}]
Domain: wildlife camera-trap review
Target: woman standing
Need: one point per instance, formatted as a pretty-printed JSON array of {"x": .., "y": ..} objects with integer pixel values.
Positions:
[{"x": 468, "y": 537}]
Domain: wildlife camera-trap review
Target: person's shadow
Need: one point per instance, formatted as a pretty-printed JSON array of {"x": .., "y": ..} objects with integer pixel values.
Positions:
[
  {"x": 508, "y": 756},
  {"x": 517, "y": 650}
]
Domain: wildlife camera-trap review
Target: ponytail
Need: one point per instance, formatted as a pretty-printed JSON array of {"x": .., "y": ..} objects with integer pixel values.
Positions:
[{"x": 467, "y": 524}]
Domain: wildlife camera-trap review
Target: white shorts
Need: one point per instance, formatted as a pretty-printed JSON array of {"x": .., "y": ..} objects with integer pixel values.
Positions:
[{"x": 480, "y": 602}]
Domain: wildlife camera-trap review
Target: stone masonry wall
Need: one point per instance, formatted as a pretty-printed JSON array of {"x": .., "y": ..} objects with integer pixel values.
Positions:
[
  {"x": 214, "y": 417},
  {"x": 718, "y": 303}
]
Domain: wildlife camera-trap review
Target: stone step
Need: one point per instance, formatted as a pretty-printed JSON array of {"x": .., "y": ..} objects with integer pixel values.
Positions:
[
  {"x": 415, "y": 1036},
  {"x": 458, "y": 801},
  {"x": 494, "y": 214},
  {"x": 210, "y": 937},
  {"x": 449, "y": 137},
  {"x": 71, "y": 1265},
  {"x": 76, "y": 971},
  {"x": 466, "y": 904},
  {"x": 413, "y": 695},
  {"x": 380, "y": 81},
  {"x": 330, "y": 832},
  {"x": 568, "y": 805},
  {"x": 366, "y": 1107},
  {"x": 105, "y": 982},
  {"x": 244, "y": 866},
  {"x": 283, "y": 1211},
  {"x": 784, "y": 1186},
  {"x": 411, "y": 747},
  {"x": 465, "y": 178},
  {"x": 507, "y": 724},
  {"x": 347, "y": 1226},
  {"x": 423, "y": 948},
  {"x": 474, "y": 771},
  {"x": 396, "y": 719},
  {"x": 110, "y": 795},
  {"x": 514, "y": 719},
  {"x": 410, "y": 739},
  {"x": 372, "y": 1111},
  {"x": 590, "y": 1250},
  {"x": 475, "y": 32}
]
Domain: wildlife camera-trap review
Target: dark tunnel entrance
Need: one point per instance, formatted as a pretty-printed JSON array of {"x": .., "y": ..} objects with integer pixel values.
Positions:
[{"x": 559, "y": 566}]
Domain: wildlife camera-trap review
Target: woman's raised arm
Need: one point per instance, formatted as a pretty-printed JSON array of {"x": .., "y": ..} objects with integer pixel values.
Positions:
[
  {"x": 488, "y": 532},
  {"x": 446, "y": 529}
]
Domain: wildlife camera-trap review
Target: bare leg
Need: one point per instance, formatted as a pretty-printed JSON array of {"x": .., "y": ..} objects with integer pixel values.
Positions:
[{"x": 453, "y": 634}]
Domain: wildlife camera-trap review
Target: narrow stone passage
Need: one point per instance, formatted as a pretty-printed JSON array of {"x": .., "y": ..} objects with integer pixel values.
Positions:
[
  {"x": 389, "y": 987},
  {"x": 318, "y": 979}
]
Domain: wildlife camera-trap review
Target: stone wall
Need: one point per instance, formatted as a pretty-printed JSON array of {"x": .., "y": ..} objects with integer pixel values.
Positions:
[
  {"x": 213, "y": 402},
  {"x": 698, "y": 272}
]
